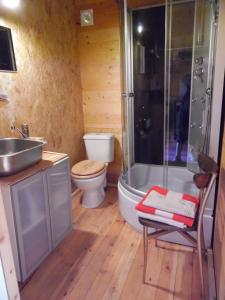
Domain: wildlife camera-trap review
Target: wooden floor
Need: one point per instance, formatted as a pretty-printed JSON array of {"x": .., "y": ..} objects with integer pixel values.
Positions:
[{"x": 102, "y": 259}]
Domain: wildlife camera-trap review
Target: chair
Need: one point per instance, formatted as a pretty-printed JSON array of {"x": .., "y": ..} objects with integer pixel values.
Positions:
[{"x": 204, "y": 182}]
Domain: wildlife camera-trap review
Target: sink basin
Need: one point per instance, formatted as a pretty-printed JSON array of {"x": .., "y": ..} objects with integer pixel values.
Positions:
[{"x": 18, "y": 154}]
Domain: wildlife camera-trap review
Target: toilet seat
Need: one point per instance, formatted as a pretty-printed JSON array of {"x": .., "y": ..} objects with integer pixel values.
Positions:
[
  {"x": 87, "y": 169},
  {"x": 88, "y": 176}
]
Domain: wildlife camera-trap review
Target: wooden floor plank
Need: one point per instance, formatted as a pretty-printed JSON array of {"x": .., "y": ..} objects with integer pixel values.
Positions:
[
  {"x": 95, "y": 220},
  {"x": 78, "y": 209},
  {"x": 102, "y": 258},
  {"x": 155, "y": 259},
  {"x": 133, "y": 283},
  {"x": 166, "y": 280},
  {"x": 112, "y": 228},
  {"x": 196, "y": 283},
  {"x": 74, "y": 278},
  {"x": 83, "y": 284},
  {"x": 115, "y": 265},
  {"x": 122, "y": 263},
  {"x": 57, "y": 266},
  {"x": 184, "y": 275}
]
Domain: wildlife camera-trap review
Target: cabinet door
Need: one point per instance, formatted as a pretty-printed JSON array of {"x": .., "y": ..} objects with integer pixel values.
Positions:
[
  {"x": 59, "y": 190},
  {"x": 31, "y": 210}
]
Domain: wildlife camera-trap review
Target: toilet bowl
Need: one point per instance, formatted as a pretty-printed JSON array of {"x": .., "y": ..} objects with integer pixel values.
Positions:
[{"x": 89, "y": 176}]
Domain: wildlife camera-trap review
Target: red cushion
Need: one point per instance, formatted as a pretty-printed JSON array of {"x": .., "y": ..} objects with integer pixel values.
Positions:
[{"x": 176, "y": 217}]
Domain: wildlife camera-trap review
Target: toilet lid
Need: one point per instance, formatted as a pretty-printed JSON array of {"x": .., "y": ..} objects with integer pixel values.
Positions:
[{"x": 87, "y": 167}]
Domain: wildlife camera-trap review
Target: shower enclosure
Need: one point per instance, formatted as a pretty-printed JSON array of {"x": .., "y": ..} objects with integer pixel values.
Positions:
[{"x": 167, "y": 86}]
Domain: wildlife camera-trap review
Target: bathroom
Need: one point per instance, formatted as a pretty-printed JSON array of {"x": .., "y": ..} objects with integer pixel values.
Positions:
[{"x": 70, "y": 79}]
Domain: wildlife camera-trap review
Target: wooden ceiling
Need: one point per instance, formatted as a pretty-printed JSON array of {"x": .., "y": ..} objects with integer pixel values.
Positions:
[
  {"x": 131, "y": 3},
  {"x": 142, "y": 3}
]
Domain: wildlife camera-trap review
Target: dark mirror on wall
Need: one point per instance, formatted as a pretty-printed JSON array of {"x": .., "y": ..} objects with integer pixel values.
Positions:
[{"x": 7, "y": 56}]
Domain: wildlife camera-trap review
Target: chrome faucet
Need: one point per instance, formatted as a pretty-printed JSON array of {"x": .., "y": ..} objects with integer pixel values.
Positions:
[{"x": 24, "y": 131}]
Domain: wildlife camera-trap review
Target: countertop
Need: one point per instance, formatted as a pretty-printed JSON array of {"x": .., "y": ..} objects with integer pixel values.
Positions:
[{"x": 48, "y": 159}]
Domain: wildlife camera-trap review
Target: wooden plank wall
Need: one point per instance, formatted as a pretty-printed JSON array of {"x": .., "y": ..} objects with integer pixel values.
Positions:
[
  {"x": 219, "y": 231},
  {"x": 143, "y": 3},
  {"x": 219, "y": 236},
  {"x": 99, "y": 48}
]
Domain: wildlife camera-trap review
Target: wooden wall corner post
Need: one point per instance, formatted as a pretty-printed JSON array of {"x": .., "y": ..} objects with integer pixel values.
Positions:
[{"x": 6, "y": 256}]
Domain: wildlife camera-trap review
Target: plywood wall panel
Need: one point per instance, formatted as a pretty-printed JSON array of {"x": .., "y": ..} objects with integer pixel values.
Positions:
[
  {"x": 46, "y": 90},
  {"x": 100, "y": 66}
]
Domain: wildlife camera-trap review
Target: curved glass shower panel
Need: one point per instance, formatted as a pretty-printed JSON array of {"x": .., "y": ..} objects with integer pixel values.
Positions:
[
  {"x": 166, "y": 96},
  {"x": 148, "y": 77},
  {"x": 200, "y": 112},
  {"x": 180, "y": 27},
  {"x": 146, "y": 102},
  {"x": 178, "y": 76}
]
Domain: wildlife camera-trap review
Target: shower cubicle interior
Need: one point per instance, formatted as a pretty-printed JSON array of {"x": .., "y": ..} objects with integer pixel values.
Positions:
[{"x": 168, "y": 69}]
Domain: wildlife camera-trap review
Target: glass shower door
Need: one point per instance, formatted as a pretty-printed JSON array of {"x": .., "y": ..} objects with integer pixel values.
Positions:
[
  {"x": 201, "y": 90},
  {"x": 144, "y": 97},
  {"x": 188, "y": 78},
  {"x": 179, "y": 30}
]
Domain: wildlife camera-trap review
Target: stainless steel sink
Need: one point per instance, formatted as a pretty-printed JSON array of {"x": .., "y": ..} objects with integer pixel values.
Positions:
[{"x": 18, "y": 154}]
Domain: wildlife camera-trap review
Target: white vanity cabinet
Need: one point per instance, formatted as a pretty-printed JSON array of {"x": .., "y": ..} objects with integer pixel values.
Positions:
[
  {"x": 32, "y": 223},
  {"x": 59, "y": 193},
  {"x": 39, "y": 215}
]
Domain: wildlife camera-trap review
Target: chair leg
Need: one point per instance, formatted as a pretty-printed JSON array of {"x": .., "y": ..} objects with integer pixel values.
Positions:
[
  {"x": 199, "y": 253},
  {"x": 204, "y": 250},
  {"x": 145, "y": 239}
]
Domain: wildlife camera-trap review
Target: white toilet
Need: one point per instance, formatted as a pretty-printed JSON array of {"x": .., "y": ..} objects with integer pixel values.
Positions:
[{"x": 90, "y": 175}]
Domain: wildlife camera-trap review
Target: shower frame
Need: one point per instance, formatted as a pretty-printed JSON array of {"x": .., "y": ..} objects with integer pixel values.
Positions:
[
  {"x": 126, "y": 190},
  {"x": 128, "y": 86}
]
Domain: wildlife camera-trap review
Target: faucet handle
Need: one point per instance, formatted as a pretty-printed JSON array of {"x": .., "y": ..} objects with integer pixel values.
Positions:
[
  {"x": 13, "y": 126},
  {"x": 25, "y": 130}
]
